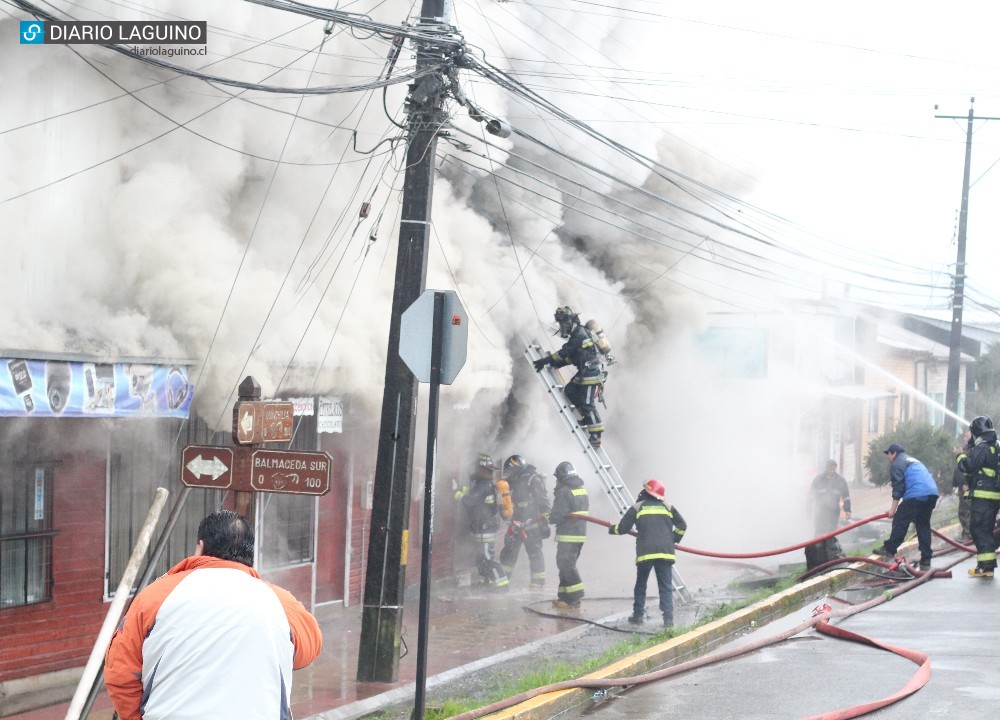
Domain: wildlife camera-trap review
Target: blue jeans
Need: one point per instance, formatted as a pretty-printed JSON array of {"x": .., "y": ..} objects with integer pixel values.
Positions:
[{"x": 664, "y": 581}]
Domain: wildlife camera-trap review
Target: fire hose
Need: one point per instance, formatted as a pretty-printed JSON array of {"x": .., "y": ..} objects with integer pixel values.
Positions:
[
  {"x": 819, "y": 621},
  {"x": 765, "y": 553}
]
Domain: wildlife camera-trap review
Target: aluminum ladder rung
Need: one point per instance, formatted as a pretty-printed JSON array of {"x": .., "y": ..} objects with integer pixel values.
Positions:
[{"x": 611, "y": 481}]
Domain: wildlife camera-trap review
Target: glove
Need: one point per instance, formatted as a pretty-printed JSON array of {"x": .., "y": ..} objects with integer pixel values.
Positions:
[
  {"x": 541, "y": 362},
  {"x": 611, "y": 529},
  {"x": 460, "y": 493}
]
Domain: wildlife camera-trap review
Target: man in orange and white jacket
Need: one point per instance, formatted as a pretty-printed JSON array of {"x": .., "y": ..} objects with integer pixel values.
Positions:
[{"x": 210, "y": 639}]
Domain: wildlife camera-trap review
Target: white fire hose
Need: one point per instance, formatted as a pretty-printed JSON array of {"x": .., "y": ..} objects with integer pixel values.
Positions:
[{"x": 117, "y": 605}]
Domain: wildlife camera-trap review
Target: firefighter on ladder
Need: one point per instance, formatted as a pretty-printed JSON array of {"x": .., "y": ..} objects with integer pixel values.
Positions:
[
  {"x": 482, "y": 504},
  {"x": 529, "y": 524},
  {"x": 585, "y": 387}
]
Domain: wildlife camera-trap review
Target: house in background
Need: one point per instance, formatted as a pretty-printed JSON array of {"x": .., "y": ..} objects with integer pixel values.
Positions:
[{"x": 861, "y": 371}]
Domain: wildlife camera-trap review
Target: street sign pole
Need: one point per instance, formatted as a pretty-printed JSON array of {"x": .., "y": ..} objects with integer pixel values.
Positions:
[{"x": 425, "y": 545}]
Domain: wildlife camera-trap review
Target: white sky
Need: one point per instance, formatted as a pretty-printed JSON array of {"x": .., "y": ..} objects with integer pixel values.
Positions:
[
  {"x": 821, "y": 114},
  {"x": 830, "y": 108}
]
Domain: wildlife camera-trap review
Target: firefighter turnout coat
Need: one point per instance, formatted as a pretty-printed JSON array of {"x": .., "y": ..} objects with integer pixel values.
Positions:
[
  {"x": 979, "y": 466},
  {"x": 570, "y": 496},
  {"x": 580, "y": 350},
  {"x": 659, "y": 525}
]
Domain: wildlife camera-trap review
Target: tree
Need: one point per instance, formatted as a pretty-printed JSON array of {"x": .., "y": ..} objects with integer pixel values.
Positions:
[
  {"x": 932, "y": 446},
  {"x": 986, "y": 399}
]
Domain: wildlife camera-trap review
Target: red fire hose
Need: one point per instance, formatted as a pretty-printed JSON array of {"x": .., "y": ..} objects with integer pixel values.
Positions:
[
  {"x": 820, "y": 621},
  {"x": 764, "y": 553}
]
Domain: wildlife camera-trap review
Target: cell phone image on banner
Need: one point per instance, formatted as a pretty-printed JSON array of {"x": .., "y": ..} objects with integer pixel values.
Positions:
[
  {"x": 99, "y": 385},
  {"x": 21, "y": 378}
]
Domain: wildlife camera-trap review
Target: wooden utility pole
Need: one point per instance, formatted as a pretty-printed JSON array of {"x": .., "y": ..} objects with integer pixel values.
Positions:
[
  {"x": 382, "y": 613},
  {"x": 955, "y": 339}
]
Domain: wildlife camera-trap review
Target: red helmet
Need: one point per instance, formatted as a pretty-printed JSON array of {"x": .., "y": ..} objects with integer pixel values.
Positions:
[{"x": 654, "y": 488}]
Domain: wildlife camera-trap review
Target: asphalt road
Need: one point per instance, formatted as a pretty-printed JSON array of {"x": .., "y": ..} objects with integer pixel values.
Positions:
[{"x": 955, "y": 621}]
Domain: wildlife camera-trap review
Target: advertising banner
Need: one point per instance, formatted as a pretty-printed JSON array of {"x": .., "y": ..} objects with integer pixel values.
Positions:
[{"x": 56, "y": 388}]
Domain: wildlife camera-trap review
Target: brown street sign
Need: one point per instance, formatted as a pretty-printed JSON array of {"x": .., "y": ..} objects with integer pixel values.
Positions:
[
  {"x": 205, "y": 466},
  {"x": 284, "y": 471},
  {"x": 261, "y": 421}
]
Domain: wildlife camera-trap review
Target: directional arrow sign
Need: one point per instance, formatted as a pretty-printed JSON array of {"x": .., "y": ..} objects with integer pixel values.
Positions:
[
  {"x": 260, "y": 421},
  {"x": 206, "y": 466}
]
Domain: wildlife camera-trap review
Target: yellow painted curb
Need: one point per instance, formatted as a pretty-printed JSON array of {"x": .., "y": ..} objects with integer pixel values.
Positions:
[{"x": 692, "y": 644}]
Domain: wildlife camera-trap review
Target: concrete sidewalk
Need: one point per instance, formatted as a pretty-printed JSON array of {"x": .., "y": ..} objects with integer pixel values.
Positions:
[{"x": 471, "y": 628}]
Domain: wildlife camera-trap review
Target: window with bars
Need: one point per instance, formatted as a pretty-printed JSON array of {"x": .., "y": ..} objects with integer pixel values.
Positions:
[{"x": 26, "y": 532}]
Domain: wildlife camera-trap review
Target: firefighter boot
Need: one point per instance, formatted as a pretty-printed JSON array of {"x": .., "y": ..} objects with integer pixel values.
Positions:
[
  {"x": 561, "y": 604},
  {"x": 636, "y": 620},
  {"x": 981, "y": 572}
]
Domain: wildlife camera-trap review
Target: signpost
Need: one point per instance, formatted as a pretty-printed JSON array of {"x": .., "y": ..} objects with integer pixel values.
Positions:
[
  {"x": 261, "y": 421},
  {"x": 247, "y": 469},
  {"x": 286, "y": 471},
  {"x": 433, "y": 342},
  {"x": 205, "y": 466}
]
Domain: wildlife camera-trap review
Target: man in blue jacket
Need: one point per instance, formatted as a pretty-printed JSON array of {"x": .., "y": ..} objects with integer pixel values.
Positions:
[{"x": 914, "y": 495}]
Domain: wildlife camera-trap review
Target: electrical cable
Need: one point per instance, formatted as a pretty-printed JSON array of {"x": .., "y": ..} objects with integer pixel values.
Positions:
[
  {"x": 253, "y": 233},
  {"x": 713, "y": 259},
  {"x": 322, "y": 90}
]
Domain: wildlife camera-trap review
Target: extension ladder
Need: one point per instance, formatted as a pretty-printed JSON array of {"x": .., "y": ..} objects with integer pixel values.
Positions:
[{"x": 611, "y": 480}]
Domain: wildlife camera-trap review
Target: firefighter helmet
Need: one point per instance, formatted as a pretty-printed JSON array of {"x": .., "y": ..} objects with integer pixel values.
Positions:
[
  {"x": 654, "y": 488},
  {"x": 565, "y": 470},
  {"x": 979, "y": 425},
  {"x": 567, "y": 320},
  {"x": 485, "y": 466},
  {"x": 514, "y": 462}
]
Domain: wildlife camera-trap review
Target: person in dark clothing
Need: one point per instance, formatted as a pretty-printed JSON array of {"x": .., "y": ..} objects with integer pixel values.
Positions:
[
  {"x": 481, "y": 504},
  {"x": 582, "y": 352},
  {"x": 960, "y": 483},
  {"x": 827, "y": 494},
  {"x": 914, "y": 495},
  {"x": 569, "y": 496},
  {"x": 530, "y": 522},
  {"x": 660, "y": 527},
  {"x": 979, "y": 462}
]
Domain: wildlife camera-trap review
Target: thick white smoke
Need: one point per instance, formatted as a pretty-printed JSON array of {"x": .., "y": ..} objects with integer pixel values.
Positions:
[{"x": 180, "y": 241}]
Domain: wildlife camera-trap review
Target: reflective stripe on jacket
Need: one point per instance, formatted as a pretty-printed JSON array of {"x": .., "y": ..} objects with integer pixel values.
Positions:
[
  {"x": 570, "y": 496},
  {"x": 980, "y": 468},
  {"x": 660, "y": 528}
]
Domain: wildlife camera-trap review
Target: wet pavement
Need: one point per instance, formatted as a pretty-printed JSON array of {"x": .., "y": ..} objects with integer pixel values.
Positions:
[
  {"x": 472, "y": 629},
  {"x": 953, "y": 621}
]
